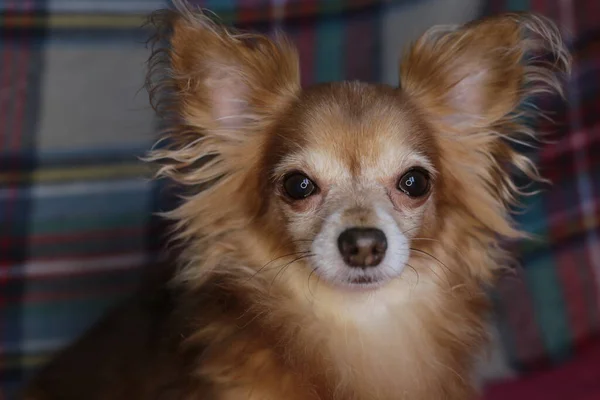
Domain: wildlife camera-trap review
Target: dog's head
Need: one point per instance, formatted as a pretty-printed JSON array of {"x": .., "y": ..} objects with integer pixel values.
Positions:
[
  {"x": 353, "y": 170},
  {"x": 350, "y": 180}
]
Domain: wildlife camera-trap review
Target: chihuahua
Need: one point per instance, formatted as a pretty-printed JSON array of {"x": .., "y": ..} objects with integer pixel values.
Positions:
[{"x": 337, "y": 240}]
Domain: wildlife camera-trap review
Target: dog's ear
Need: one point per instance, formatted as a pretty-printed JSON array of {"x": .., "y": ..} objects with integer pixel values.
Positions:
[
  {"x": 227, "y": 81},
  {"x": 219, "y": 93},
  {"x": 217, "y": 90},
  {"x": 474, "y": 76}
]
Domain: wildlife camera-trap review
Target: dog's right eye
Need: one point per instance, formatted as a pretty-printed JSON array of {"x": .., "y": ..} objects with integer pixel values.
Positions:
[{"x": 298, "y": 186}]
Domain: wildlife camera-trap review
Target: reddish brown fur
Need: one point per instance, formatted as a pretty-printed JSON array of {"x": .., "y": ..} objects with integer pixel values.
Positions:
[{"x": 243, "y": 320}]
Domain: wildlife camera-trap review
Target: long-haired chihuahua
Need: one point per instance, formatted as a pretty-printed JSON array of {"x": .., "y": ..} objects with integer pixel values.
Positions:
[{"x": 337, "y": 239}]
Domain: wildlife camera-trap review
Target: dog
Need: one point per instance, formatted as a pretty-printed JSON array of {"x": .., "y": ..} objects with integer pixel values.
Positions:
[{"x": 336, "y": 240}]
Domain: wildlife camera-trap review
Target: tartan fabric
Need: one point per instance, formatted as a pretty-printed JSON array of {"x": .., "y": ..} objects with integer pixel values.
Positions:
[
  {"x": 76, "y": 224},
  {"x": 551, "y": 312},
  {"x": 75, "y": 217}
]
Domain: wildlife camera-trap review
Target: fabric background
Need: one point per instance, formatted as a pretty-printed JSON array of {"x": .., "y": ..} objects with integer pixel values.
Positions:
[
  {"x": 76, "y": 224},
  {"x": 551, "y": 312}
]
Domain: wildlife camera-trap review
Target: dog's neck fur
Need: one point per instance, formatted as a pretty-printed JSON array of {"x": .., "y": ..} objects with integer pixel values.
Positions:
[{"x": 295, "y": 334}]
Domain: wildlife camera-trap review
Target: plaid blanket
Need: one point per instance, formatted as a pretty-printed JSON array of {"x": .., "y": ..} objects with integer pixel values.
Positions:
[
  {"x": 76, "y": 224},
  {"x": 552, "y": 311}
]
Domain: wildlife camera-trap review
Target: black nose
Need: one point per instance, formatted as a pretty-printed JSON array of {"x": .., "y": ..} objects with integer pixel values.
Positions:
[{"x": 362, "y": 247}]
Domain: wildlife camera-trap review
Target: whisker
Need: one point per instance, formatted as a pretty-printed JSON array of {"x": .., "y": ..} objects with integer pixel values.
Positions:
[
  {"x": 430, "y": 255},
  {"x": 275, "y": 259},
  {"x": 445, "y": 269},
  {"x": 301, "y": 241},
  {"x": 430, "y": 239},
  {"x": 437, "y": 241},
  {"x": 284, "y": 267},
  {"x": 416, "y": 273},
  {"x": 411, "y": 229},
  {"x": 314, "y": 269}
]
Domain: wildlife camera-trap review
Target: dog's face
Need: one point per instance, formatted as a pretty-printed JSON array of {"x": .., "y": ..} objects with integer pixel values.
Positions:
[
  {"x": 351, "y": 178},
  {"x": 355, "y": 177}
]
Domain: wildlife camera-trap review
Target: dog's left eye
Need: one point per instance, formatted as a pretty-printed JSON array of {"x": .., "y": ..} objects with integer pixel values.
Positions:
[
  {"x": 414, "y": 183},
  {"x": 298, "y": 186}
]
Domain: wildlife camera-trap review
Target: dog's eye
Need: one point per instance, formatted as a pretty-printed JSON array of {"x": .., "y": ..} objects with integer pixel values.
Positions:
[
  {"x": 298, "y": 186},
  {"x": 414, "y": 183}
]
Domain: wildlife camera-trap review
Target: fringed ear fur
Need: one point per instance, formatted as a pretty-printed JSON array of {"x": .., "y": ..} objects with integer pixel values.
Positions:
[
  {"x": 222, "y": 85},
  {"x": 476, "y": 76},
  {"x": 220, "y": 91},
  {"x": 475, "y": 84}
]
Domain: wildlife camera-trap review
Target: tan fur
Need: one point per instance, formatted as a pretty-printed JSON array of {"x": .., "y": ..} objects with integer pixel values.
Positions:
[{"x": 254, "y": 315}]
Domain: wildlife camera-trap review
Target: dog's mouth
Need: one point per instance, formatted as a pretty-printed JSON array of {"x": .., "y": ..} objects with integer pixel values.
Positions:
[
  {"x": 359, "y": 280},
  {"x": 362, "y": 280},
  {"x": 365, "y": 282}
]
